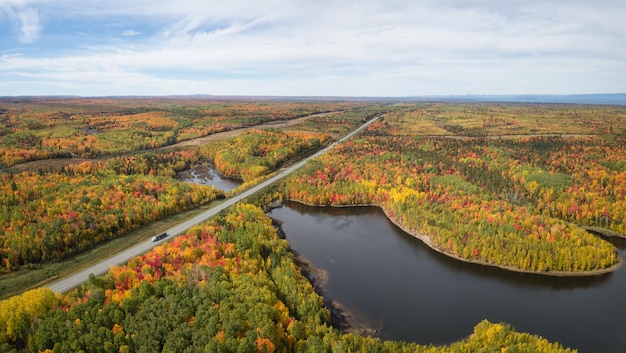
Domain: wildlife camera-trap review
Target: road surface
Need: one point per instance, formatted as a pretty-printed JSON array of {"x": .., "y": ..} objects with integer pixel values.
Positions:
[{"x": 73, "y": 280}]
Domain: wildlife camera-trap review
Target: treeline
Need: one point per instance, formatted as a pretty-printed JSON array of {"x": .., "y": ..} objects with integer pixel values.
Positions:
[
  {"x": 471, "y": 198},
  {"x": 36, "y": 129},
  {"x": 48, "y": 216},
  {"x": 259, "y": 152},
  {"x": 230, "y": 285}
]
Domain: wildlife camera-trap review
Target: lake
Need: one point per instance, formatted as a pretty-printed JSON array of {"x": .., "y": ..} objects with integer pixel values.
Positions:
[{"x": 394, "y": 283}]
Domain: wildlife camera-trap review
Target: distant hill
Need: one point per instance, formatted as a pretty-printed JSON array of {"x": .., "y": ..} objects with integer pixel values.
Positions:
[{"x": 605, "y": 99}]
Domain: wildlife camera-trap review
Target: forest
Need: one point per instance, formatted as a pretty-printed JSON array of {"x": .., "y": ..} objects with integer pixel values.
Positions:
[
  {"x": 516, "y": 186},
  {"x": 230, "y": 285},
  {"x": 259, "y": 152},
  {"x": 520, "y": 203},
  {"x": 47, "y": 216},
  {"x": 44, "y": 128}
]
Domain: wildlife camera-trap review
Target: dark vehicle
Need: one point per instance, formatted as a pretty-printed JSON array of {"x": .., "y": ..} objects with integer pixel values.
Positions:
[{"x": 159, "y": 237}]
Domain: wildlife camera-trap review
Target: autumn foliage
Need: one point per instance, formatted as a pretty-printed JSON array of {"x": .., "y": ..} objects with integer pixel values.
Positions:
[
  {"x": 48, "y": 216},
  {"x": 505, "y": 185},
  {"x": 259, "y": 152},
  {"x": 228, "y": 285},
  {"x": 43, "y": 128},
  {"x": 19, "y": 314},
  {"x": 514, "y": 203}
]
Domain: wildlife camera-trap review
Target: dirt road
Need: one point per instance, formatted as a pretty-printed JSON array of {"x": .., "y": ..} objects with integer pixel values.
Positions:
[{"x": 58, "y": 163}]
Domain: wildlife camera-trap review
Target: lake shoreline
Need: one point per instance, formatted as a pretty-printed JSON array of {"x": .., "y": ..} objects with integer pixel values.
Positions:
[
  {"x": 206, "y": 174},
  {"x": 429, "y": 242},
  {"x": 604, "y": 232},
  {"x": 339, "y": 317}
]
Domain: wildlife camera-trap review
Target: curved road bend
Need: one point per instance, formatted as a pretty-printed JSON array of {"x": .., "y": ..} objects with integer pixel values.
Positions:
[{"x": 73, "y": 280}]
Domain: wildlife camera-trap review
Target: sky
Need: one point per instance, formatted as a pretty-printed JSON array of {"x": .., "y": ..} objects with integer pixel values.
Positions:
[{"x": 312, "y": 47}]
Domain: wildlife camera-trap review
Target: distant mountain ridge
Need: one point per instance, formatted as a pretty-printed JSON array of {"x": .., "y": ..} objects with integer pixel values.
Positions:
[{"x": 601, "y": 98}]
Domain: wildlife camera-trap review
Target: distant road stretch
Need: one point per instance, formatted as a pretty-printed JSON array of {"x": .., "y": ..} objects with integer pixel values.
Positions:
[{"x": 69, "y": 282}]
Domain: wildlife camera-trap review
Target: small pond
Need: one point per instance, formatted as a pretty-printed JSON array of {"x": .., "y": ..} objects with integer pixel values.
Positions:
[{"x": 206, "y": 175}]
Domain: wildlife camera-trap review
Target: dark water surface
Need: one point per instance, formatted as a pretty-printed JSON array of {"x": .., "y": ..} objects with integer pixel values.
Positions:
[
  {"x": 396, "y": 284},
  {"x": 204, "y": 174}
]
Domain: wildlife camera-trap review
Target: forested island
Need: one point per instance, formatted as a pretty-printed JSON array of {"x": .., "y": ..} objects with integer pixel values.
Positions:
[{"x": 515, "y": 186}]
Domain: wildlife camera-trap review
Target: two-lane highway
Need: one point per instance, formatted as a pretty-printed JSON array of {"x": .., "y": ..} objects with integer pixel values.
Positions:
[{"x": 73, "y": 280}]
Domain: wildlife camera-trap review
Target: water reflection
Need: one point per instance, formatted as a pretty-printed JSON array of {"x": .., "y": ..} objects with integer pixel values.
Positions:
[
  {"x": 516, "y": 278},
  {"x": 391, "y": 280},
  {"x": 205, "y": 175},
  {"x": 619, "y": 243},
  {"x": 333, "y": 215}
]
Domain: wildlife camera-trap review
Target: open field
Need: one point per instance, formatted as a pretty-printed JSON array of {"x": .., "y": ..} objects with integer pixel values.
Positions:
[{"x": 502, "y": 119}]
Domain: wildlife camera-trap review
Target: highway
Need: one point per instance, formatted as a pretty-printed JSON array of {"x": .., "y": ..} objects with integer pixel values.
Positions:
[{"x": 73, "y": 280}]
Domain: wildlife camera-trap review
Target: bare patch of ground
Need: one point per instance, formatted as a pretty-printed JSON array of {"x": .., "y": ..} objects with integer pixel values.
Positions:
[{"x": 47, "y": 164}]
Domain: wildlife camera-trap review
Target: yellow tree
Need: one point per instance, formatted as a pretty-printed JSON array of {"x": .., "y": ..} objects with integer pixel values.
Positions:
[{"x": 18, "y": 313}]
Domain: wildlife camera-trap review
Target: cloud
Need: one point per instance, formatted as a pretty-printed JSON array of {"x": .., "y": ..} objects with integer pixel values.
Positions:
[
  {"x": 25, "y": 20},
  {"x": 130, "y": 33},
  {"x": 29, "y": 25},
  {"x": 347, "y": 47}
]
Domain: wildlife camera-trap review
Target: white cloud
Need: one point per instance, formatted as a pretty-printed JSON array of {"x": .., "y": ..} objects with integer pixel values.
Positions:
[
  {"x": 130, "y": 33},
  {"x": 29, "y": 25},
  {"x": 347, "y": 47},
  {"x": 25, "y": 20}
]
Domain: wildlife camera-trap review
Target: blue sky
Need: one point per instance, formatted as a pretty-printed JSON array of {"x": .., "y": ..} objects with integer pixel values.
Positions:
[{"x": 311, "y": 48}]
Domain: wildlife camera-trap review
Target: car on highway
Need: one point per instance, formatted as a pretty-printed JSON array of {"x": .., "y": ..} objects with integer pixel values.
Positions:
[{"x": 159, "y": 237}]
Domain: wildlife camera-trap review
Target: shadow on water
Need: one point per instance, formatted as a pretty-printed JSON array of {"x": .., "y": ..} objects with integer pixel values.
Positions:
[
  {"x": 619, "y": 243},
  {"x": 513, "y": 278},
  {"x": 517, "y": 279},
  {"x": 390, "y": 281}
]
